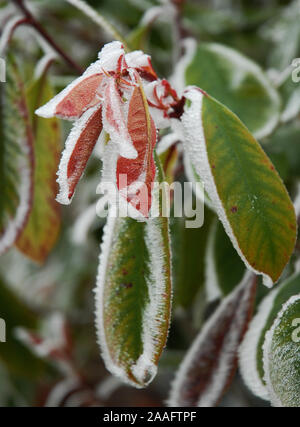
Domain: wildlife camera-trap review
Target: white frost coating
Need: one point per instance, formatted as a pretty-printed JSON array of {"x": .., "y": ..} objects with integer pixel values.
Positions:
[
  {"x": 82, "y": 225},
  {"x": 195, "y": 145},
  {"x": 248, "y": 348},
  {"x": 212, "y": 288},
  {"x": 8, "y": 31},
  {"x": 242, "y": 63},
  {"x": 114, "y": 122},
  {"x": 78, "y": 127},
  {"x": 275, "y": 400},
  {"x": 198, "y": 188},
  {"x": 109, "y": 56},
  {"x": 137, "y": 59},
  {"x": 178, "y": 78},
  {"x": 220, "y": 375}
]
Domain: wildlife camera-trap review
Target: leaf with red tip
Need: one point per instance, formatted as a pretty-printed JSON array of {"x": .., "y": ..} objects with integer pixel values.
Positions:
[
  {"x": 142, "y": 131},
  {"x": 209, "y": 366},
  {"x": 79, "y": 146}
]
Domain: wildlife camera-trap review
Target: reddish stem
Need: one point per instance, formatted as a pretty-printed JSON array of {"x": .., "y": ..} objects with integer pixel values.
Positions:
[{"x": 38, "y": 27}]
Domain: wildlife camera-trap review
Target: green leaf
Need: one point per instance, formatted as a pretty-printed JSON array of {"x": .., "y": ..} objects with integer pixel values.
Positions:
[
  {"x": 16, "y": 157},
  {"x": 224, "y": 268},
  {"x": 188, "y": 253},
  {"x": 42, "y": 228},
  {"x": 249, "y": 195},
  {"x": 238, "y": 83},
  {"x": 133, "y": 296},
  {"x": 251, "y": 352},
  {"x": 282, "y": 356},
  {"x": 16, "y": 357}
]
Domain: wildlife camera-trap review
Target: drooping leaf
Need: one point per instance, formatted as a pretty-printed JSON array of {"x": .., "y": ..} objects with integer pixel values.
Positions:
[
  {"x": 224, "y": 268},
  {"x": 282, "y": 356},
  {"x": 238, "y": 83},
  {"x": 16, "y": 157},
  {"x": 133, "y": 296},
  {"x": 251, "y": 350},
  {"x": 16, "y": 357},
  {"x": 241, "y": 181},
  {"x": 42, "y": 228},
  {"x": 209, "y": 366},
  {"x": 79, "y": 146}
]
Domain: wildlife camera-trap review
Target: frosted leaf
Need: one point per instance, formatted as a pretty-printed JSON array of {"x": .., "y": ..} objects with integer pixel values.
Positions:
[
  {"x": 195, "y": 146},
  {"x": 114, "y": 121},
  {"x": 211, "y": 362},
  {"x": 250, "y": 353},
  {"x": 282, "y": 357},
  {"x": 134, "y": 358},
  {"x": 71, "y": 102},
  {"x": 79, "y": 146}
]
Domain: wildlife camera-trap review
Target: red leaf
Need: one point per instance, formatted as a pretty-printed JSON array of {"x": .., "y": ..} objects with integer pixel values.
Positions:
[
  {"x": 83, "y": 149},
  {"x": 80, "y": 96},
  {"x": 79, "y": 146},
  {"x": 210, "y": 364},
  {"x": 142, "y": 131}
]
